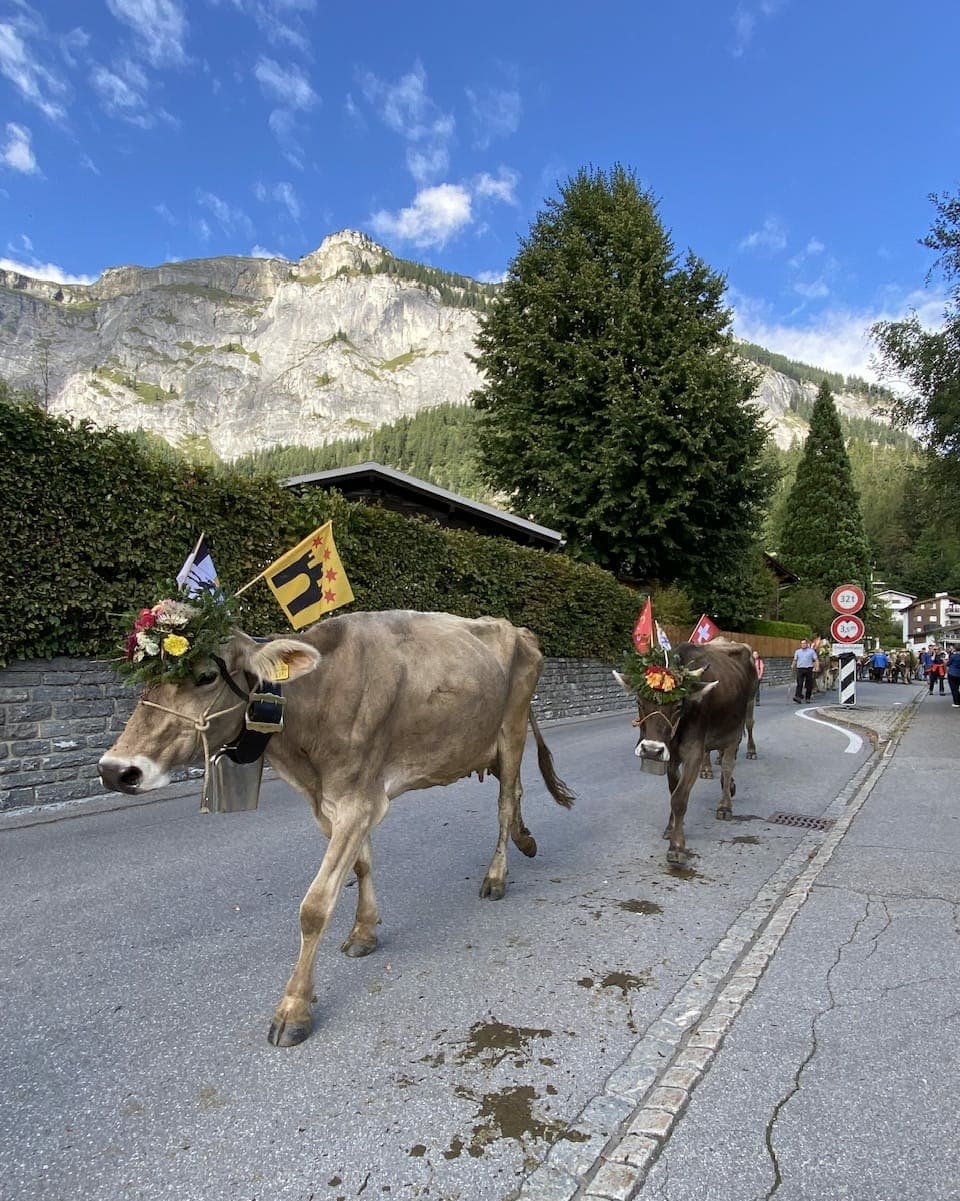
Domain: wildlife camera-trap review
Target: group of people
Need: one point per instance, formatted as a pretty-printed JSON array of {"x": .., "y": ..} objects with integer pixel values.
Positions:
[{"x": 938, "y": 665}]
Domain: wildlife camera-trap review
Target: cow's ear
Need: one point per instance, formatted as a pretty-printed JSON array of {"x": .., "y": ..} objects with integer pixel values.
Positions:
[
  {"x": 698, "y": 691},
  {"x": 622, "y": 682},
  {"x": 283, "y": 659}
]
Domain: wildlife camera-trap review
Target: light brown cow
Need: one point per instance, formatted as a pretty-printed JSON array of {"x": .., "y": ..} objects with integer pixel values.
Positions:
[
  {"x": 711, "y": 717},
  {"x": 377, "y": 704}
]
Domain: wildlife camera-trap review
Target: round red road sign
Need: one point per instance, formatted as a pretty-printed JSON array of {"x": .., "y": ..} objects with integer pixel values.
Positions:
[
  {"x": 847, "y": 628},
  {"x": 848, "y": 598}
]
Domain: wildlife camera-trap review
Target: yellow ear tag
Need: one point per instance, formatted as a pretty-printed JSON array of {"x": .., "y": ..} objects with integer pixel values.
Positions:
[{"x": 281, "y": 672}]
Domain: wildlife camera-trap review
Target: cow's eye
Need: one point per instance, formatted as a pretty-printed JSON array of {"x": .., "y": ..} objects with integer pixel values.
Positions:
[{"x": 205, "y": 678}]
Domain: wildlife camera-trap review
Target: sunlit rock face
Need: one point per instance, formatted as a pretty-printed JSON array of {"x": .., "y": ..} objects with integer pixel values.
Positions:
[{"x": 241, "y": 354}]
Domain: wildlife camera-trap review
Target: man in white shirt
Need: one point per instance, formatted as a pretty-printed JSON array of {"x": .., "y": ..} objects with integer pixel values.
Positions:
[{"x": 804, "y": 662}]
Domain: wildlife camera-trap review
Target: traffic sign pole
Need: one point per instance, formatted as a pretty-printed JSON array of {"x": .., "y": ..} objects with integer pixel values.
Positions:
[{"x": 847, "y": 629}]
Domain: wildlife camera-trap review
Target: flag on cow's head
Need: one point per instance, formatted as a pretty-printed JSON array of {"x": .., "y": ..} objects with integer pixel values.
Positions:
[
  {"x": 662, "y": 637},
  {"x": 643, "y": 630},
  {"x": 704, "y": 631},
  {"x": 198, "y": 573},
  {"x": 309, "y": 580}
]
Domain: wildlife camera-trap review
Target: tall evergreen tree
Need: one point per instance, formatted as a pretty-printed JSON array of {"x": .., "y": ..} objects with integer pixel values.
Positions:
[
  {"x": 614, "y": 405},
  {"x": 822, "y": 538}
]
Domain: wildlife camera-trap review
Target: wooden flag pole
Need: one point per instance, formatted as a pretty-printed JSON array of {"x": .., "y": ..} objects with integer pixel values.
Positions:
[{"x": 249, "y": 584}]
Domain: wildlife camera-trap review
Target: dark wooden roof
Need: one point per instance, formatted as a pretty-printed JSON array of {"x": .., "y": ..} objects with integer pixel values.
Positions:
[
  {"x": 783, "y": 574},
  {"x": 373, "y": 483}
]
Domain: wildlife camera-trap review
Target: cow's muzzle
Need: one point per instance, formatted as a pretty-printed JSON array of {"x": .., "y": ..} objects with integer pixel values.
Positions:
[
  {"x": 653, "y": 755},
  {"x": 130, "y": 775}
]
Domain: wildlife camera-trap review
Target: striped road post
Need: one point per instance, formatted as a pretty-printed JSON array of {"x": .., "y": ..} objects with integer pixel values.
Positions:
[{"x": 847, "y": 678}]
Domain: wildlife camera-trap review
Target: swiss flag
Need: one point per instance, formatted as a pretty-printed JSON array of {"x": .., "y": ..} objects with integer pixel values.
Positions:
[
  {"x": 704, "y": 631},
  {"x": 643, "y": 630}
]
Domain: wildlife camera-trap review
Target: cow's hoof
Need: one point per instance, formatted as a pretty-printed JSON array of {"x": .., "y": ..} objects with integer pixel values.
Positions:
[
  {"x": 493, "y": 890},
  {"x": 526, "y": 844},
  {"x": 288, "y": 1034},
  {"x": 751, "y": 754},
  {"x": 356, "y": 948},
  {"x": 677, "y": 858},
  {"x": 706, "y": 774},
  {"x": 724, "y": 815}
]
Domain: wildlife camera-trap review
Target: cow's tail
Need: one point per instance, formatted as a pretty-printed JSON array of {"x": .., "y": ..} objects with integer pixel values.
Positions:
[{"x": 558, "y": 790}]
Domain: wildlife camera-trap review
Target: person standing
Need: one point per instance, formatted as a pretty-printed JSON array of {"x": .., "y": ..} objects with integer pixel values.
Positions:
[
  {"x": 953, "y": 675},
  {"x": 937, "y": 670},
  {"x": 926, "y": 658},
  {"x": 758, "y": 667},
  {"x": 804, "y": 662}
]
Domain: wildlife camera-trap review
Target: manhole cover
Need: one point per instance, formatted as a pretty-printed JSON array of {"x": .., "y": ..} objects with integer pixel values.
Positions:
[{"x": 804, "y": 821}]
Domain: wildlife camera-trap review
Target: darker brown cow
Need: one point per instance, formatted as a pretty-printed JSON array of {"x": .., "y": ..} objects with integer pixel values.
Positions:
[
  {"x": 711, "y": 716},
  {"x": 377, "y": 704}
]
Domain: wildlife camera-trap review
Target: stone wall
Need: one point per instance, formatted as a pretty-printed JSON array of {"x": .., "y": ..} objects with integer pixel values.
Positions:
[{"x": 57, "y": 717}]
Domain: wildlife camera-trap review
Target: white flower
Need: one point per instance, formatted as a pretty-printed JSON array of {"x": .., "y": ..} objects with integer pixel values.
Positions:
[
  {"x": 147, "y": 643},
  {"x": 174, "y": 614}
]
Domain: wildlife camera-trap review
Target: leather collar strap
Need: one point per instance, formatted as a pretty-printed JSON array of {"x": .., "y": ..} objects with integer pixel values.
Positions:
[{"x": 263, "y": 718}]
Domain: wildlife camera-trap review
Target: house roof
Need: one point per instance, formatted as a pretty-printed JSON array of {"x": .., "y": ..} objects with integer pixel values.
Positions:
[
  {"x": 372, "y": 482},
  {"x": 783, "y": 574}
]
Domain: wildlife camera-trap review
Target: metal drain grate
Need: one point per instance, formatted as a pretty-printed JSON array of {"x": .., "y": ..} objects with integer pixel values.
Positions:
[{"x": 804, "y": 821}]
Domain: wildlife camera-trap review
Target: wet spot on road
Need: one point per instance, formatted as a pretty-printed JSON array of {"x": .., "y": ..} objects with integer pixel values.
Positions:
[
  {"x": 418, "y": 1150},
  {"x": 492, "y": 1042},
  {"x": 748, "y": 839},
  {"x": 627, "y": 982},
  {"x": 682, "y": 873},
  {"x": 210, "y": 1097},
  {"x": 508, "y": 1114},
  {"x": 645, "y": 907}
]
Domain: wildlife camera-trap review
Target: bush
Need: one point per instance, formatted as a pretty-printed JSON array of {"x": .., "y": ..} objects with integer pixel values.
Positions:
[{"x": 97, "y": 524}]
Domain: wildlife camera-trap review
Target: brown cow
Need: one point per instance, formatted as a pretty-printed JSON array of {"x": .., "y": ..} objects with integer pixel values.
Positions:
[
  {"x": 711, "y": 716},
  {"x": 377, "y": 704}
]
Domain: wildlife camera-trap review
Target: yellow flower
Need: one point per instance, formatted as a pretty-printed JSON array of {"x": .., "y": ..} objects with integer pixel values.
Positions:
[{"x": 176, "y": 645}]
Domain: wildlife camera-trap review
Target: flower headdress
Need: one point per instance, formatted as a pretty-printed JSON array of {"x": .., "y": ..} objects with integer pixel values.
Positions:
[
  {"x": 167, "y": 642},
  {"x": 658, "y": 675}
]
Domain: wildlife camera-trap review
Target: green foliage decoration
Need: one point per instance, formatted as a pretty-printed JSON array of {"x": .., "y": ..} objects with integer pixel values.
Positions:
[{"x": 174, "y": 639}]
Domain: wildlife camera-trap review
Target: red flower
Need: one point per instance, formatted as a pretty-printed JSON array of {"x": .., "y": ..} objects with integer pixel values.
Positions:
[
  {"x": 131, "y": 646},
  {"x": 146, "y": 621}
]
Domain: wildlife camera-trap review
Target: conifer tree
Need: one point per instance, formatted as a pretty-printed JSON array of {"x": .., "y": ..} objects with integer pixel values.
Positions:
[
  {"x": 822, "y": 538},
  {"x": 614, "y": 406}
]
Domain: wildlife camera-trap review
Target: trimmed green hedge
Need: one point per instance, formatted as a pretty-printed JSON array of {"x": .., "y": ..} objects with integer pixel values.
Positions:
[{"x": 96, "y": 525}]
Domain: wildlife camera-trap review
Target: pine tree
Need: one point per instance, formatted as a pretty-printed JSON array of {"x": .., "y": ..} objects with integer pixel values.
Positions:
[
  {"x": 822, "y": 538},
  {"x": 614, "y": 406}
]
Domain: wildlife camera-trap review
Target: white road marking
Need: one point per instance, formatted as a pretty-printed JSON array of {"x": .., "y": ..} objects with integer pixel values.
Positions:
[{"x": 854, "y": 741}]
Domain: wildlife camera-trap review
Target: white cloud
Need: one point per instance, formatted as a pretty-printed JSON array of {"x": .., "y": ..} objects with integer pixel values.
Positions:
[
  {"x": 163, "y": 212},
  {"x": 436, "y": 215},
  {"x": 287, "y": 84},
  {"x": 838, "y": 339},
  {"x": 771, "y": 238},
  {"x": 407, "y": 109},
  {"x": 23, "y": 69},
  {"x": 261, "y": 252},
  {"x": 286, "y": 196},
  {"x": 500, "y": 187},
  {"x": 496, "y": 114},
  {"x": 18, "y": 154},
  {"x": 231, "y": 220},
  {"x": 745, "y": 21},
  {"x": 492, "y": 277},
  {"x": 159, "y": 26},
  {"x": 123, "y": 93},
  {"x": 48, "y": 271}
]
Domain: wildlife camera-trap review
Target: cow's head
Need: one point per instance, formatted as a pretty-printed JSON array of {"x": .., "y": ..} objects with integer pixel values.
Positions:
[
  {"x": 199, "y": 706},
  {"x": 664, "y": 688}
]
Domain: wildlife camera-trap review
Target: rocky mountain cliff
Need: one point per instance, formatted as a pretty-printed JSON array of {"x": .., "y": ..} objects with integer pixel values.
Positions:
[{"x": 242, "y": 354}]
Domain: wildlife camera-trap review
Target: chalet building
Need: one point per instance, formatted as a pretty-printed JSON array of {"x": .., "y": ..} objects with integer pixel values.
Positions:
[
  {"x": 934, "y": 619},
  {"x": 374, "y": 484},
  {"x": 898, "y": 603}
]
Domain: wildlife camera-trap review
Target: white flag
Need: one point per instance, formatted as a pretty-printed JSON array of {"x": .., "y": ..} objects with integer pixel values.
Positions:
[{"x": 198, "y": 573}]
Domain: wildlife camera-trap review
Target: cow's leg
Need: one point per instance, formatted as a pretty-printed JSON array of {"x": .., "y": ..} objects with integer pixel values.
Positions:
[
  {"x": 494, "y": 883},
  {"x": 748, "y": 726},
  {"x": 673, "y": 779},
  {"x": 676, "y": 852},
  {"x": 363, "y": 937},
  {"x": 293, "y": 1021},
  {"x": 706, "y": 767},
  {"x": 728, "y": 757},
  {"x": 523, "y": 840}
]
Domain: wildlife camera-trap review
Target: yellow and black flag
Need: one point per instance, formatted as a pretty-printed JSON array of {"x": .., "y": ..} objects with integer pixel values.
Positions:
[{"x": 309, "y": 580}]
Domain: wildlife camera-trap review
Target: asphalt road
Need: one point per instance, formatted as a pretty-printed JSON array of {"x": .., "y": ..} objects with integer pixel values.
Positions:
[{"x": 144, "y": 949}]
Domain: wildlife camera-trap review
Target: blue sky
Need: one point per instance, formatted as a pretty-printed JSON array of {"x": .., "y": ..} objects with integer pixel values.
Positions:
[{"x": 792, "y": 145}]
